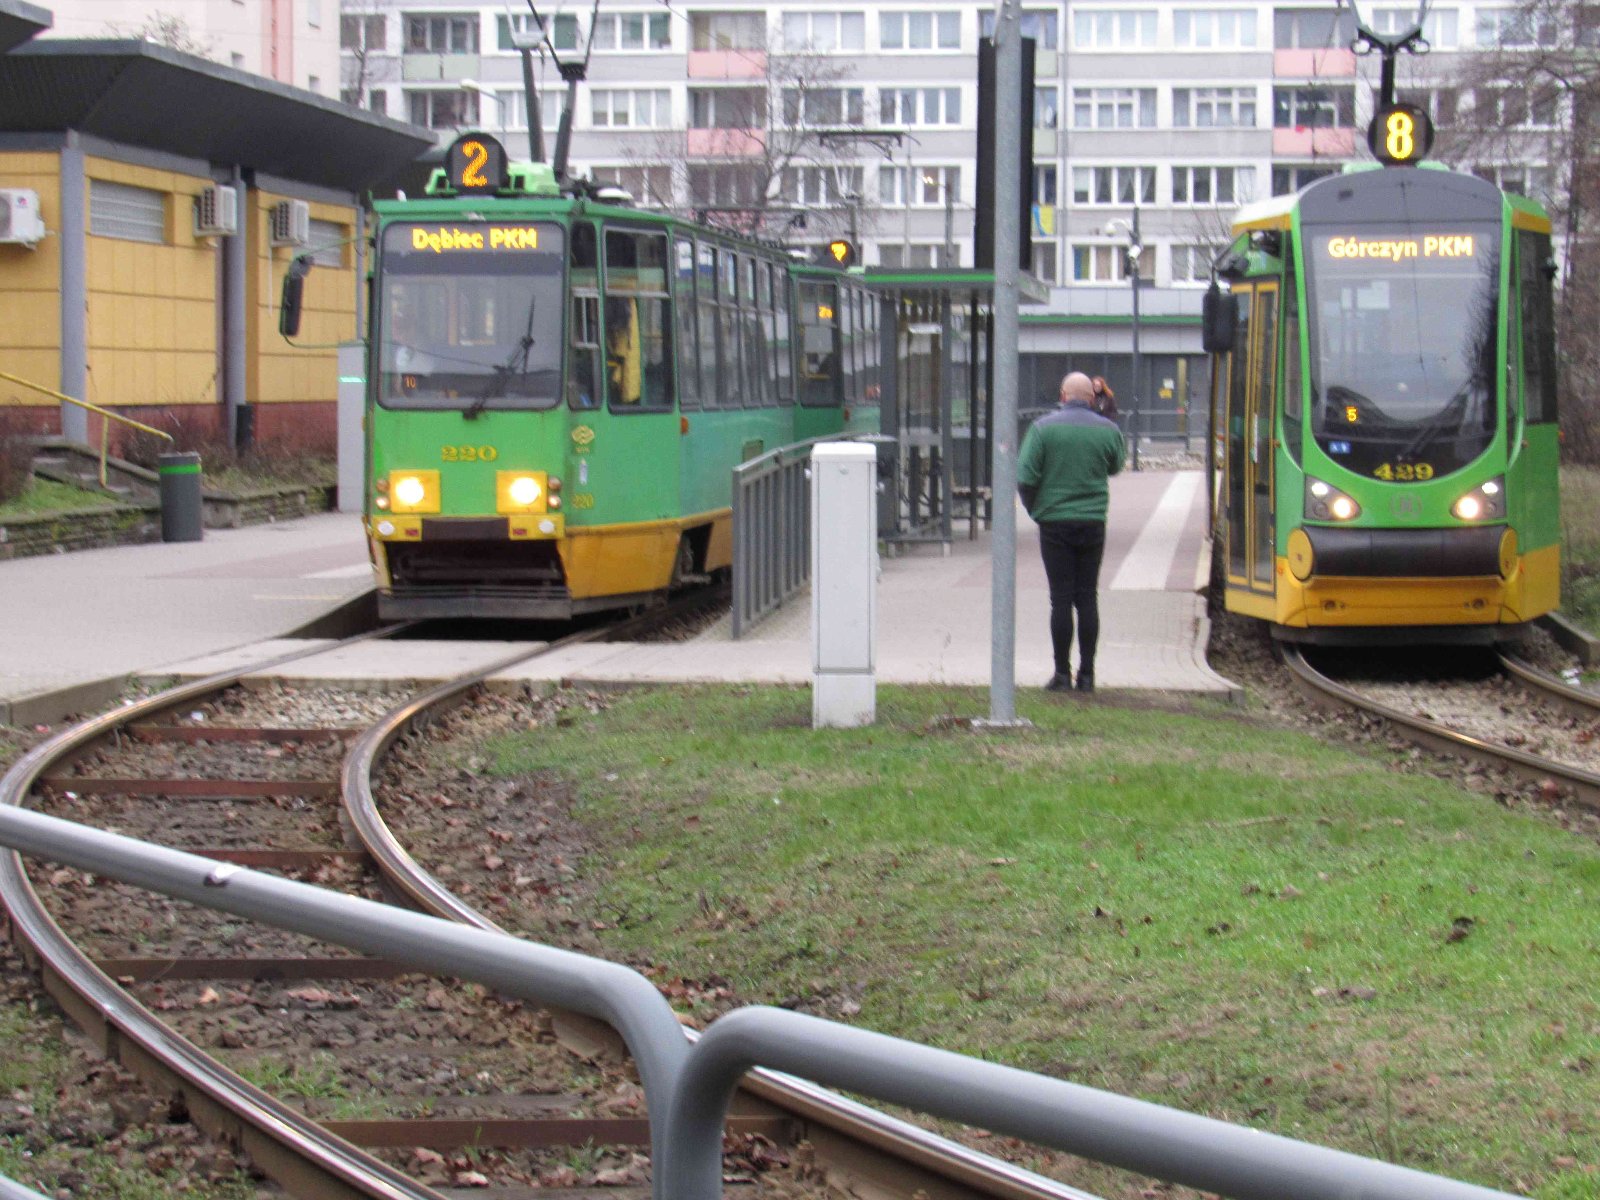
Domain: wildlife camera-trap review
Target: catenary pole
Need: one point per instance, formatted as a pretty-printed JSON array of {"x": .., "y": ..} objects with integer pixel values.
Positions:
[{"x": 1003, "y": 435}]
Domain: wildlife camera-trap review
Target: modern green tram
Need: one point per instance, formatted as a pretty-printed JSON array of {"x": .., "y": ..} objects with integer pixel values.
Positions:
[
  {"x": 560, "y": 386},
  {"x": 1384, "y": 412}
]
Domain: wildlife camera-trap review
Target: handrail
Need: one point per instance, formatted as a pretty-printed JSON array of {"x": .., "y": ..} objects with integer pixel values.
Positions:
[{"x": 104, "y": 412}]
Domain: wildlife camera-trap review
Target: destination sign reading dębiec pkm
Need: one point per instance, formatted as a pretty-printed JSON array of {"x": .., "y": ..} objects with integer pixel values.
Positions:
[{"x": 474, "y": 239}]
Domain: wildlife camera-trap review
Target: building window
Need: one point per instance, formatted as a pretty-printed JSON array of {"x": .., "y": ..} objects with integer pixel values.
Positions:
[
  {"x": 313, "y": 83},
  {"x": 1192, "y": 263},
  {"x": 1514, "y": 108},
  {"x": 1513, "y": 28},
  {"x": 727, "y": 108},
  {"x": 896, "y": 256},
  {"x": 314, "y": 13},
  {"x": 938, "y": 186},
  {"x": 514, "y": 109},
  {"x": 1113, "y": 108},
  {"x": 1113, "y": 185},
  {"x": 1312, "y": 28},
  {"x": 727, "y": 31},
  {"x": 1046, "y": 108},
  {"x": 919, "y": 106},
  {"x": 1441, "y": 27},
  {"x": 825, "y": 32},
  {"x": 328, "y": 242},
  {"x": 1046, "y": 188},
  {"x": 1045, "y": 261},
  {"x": 726, "y": 185},
  {"x": 633, "y": 31},
  {"x": 1114, "y": 29},
  {"x": 1214, "y": 108},
  {"x": 442, "y": 110},
  {"x": 824, "y": 108},
  {"x": 1524, "y": 180},
  {"x": 564, "y": 34},
  {"x": 809, "y": 186},
  {"x": 1442, "y": 104},
  {"x": 1042, "y": 25},
  {"x": 441, "y": 34},
  {"x": 650, "y": 187},
  {"x": 1212, "y": 185},
  {"x": 1313, "y": 107},
  {"x": 1109, "y": 264},
  {"x": 237, "y": 60},
  {"x": 919, "y": 31},
  {"x": 363, "y": 33},
  {"x": 134, "y": 214},
  {"x": 1291, "y": 179},
  {"x": 1214, "y": 29},
  {"x": 378, "y": 101},
  {"x": 624, "y": 108}
]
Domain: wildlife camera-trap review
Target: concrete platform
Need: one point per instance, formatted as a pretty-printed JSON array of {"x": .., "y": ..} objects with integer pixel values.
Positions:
[{"x": 194, "y": 609}]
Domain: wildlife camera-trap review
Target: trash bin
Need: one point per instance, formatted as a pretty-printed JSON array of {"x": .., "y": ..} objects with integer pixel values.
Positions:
[{"x": 180, "y": 497}]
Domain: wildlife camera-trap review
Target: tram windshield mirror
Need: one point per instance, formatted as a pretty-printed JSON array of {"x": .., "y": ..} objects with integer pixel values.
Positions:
[{"x": 1219, "y": 318}]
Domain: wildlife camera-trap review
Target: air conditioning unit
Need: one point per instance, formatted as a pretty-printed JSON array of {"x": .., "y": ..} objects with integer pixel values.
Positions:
[
  {"x": 291, "y": 223},
  {"x": 20, "y": 222},
  {"x": 216, "y": 212}
]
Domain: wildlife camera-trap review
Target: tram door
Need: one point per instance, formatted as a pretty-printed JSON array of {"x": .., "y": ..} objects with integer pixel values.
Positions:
[{"x": 1249, "y": 422}]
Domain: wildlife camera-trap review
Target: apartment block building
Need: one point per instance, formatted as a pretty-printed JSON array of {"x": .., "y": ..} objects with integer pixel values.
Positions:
[{"x": 1179, "y": 109}]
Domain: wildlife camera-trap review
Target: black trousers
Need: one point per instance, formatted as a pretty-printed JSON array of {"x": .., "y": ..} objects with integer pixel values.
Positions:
[{"x": 1072, "y": 551}]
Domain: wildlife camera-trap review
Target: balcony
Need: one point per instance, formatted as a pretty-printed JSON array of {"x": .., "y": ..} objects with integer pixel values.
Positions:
[
  {"x": 724, "y": 143},
  {"x": 1304, "y": 142},
  {"x": 1313, "y": 64},
  {"x": 727, "y": 64},
  {"x": 426, "y": 66}
]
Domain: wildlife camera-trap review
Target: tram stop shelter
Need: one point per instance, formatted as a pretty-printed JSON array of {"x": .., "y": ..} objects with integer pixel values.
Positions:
[{"x": 937, "y": 404}]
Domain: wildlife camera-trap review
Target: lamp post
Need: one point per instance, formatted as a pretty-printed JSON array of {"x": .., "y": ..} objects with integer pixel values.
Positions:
[
  {"x": 949, "y": 218},
  {"x": 472, "y": 85},
  {"x": 1135, "y": 249}
]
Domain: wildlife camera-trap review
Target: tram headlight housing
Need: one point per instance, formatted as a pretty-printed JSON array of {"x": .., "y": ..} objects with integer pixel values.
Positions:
[
  {"x": 1324, "y": 502},
  {"x": 521, "y": 491},
  {"x": 413, "y": 491},
  {"x": 1486, "y": 502}
]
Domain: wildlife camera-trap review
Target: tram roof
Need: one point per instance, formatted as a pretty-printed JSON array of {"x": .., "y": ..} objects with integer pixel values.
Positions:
[
  {"x": 20, "y": 21},
  {"x": 136, "y": 93}
]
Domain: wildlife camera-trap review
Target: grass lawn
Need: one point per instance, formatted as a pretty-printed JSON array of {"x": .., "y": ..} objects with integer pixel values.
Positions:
[
  {"x": 47, "y": 496},
  {"x": 1236, "y": 921},
  {"x": 1580, "y": 545}
]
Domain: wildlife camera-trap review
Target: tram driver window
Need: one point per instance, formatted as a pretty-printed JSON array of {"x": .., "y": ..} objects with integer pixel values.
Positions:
[{"x": 583, "y": 380}]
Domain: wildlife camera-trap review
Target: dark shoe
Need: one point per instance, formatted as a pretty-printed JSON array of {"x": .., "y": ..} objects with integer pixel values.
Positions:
[
  {"x": 1086, "y": 681},
  {"x": 1059, "y": 683}
]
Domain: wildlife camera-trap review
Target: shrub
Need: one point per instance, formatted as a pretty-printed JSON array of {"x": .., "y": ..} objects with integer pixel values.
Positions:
[
  {"x": 16, "y": 457},
  {"x": 191, "y": 429}
]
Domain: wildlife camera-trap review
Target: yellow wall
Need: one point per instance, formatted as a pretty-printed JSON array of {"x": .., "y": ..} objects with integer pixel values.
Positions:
[
  {"x": 30, "y": 284},
  {"x": 280, "y": 372},
  {"x": 153, "y": 309}
]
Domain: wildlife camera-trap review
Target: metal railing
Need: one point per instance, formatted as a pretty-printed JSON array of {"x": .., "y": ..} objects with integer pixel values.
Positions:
[
  {"x": 771, "y": 531},
  {"x": 687, "y": 1089},
  {"x": 105, "y": 413}
]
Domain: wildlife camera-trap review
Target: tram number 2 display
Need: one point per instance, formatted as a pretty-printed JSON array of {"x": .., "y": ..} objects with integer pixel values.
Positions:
[
  {"x": 1400, "y": 134},
  {"x": 1404, "y": 472}
]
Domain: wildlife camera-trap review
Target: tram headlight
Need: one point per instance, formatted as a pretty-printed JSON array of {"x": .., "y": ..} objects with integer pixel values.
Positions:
[
  {"x": 521, "y": 491},
  {"x": 414, "y": 491},
  {"x": 1324, "y": 502},
  {"x": 1486, "y": 502}
]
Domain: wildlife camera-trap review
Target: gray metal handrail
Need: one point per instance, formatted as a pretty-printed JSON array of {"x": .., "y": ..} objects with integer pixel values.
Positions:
[
  {"x": 10, "y": 1189},
  {"x": 771, "y": 531},
  {"x": 1200, "y": 1152},
  {"x": 687, "y": 1090}
]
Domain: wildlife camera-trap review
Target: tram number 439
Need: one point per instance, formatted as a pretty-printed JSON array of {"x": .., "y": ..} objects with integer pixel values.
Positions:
[
  {"x": 1404, "y": 472},
  {"x": 468, "y": 453}
]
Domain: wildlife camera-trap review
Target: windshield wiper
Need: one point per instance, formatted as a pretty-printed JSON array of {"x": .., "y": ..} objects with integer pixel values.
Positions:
[
  {"x": 516, "y": 363},
  {"x": 1449, "y": 418}
]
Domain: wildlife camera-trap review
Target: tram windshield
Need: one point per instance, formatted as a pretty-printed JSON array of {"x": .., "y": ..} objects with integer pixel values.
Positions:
[
  {"x": 1402, "y": 322},
  {"x": 469, "y": 315}
]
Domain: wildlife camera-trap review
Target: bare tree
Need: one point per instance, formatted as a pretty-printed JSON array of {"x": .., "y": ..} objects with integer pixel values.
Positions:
[
  {"x": 169, "y": 30},
  {"x": 365, "y": 54},
  {"x": 1535, "y": 98}
]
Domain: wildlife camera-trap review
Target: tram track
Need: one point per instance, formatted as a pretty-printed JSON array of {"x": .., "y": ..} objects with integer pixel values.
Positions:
[
  {"x": 319, "y": 1155},
  {"x": 1555, "y": 766}
]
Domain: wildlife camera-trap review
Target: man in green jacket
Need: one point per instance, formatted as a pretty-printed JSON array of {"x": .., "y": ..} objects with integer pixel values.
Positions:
[{"x": 1066, "y": 458}]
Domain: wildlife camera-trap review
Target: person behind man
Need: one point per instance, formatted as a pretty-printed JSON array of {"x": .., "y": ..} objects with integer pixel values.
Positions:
[
  {"x": 1062, "y": 469},
  {"x": 1105, "y": 400}
]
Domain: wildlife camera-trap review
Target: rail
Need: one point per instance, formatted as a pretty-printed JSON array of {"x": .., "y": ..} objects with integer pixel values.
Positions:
[
  {"x": 771, "y": 531},
  {"x": 106, "y": 414},
  {"x": 688, "y": 1089}
]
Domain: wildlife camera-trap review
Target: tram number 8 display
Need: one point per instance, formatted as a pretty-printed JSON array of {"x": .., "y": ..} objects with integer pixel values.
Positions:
[{"x": 1400, "y": 134}]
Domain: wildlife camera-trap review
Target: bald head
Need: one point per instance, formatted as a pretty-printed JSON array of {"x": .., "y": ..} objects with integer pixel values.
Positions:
[{"x": 1076, "y": 388}]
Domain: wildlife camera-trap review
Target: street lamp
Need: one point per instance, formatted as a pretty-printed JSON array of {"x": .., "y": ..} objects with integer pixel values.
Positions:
[
  {"x": 472, "y": 85},
  {"x": 949, "y": 218},
  {"x": 1135, "y": 249}
]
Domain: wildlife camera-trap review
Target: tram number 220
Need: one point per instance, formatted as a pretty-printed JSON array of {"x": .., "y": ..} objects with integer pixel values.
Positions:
[
  {"x": 1404, "y": 472},
  {"x": 468, "y": 453}
]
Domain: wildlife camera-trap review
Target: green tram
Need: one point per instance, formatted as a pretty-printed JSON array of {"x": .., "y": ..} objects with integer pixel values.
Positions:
[
  {"x": 1384, "y": 411},
  {"x": 559, "y": 386}
]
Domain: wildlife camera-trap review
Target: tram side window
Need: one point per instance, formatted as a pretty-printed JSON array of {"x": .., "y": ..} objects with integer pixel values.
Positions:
[
  {"x": 750, "y": 320},
  {"x": 1293, "y": 394},
  {"x": 583, "y": 373},
  {"x": 638, "y": 321},
  {"x": 769, "y": 359},
  {"x": 782, "y": 351},
  {"x": 819, "y": 363},
  {"x": 706, "y": 305},
  {"x": 845, "y": 319},
  {"x": 1238, "y": 383},
  {"x": 688, "y": 337},
  {"x": 871, "y": 389},
  {"x": 731, "y": 367},
  {"x": 1537, "y": 321}
]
